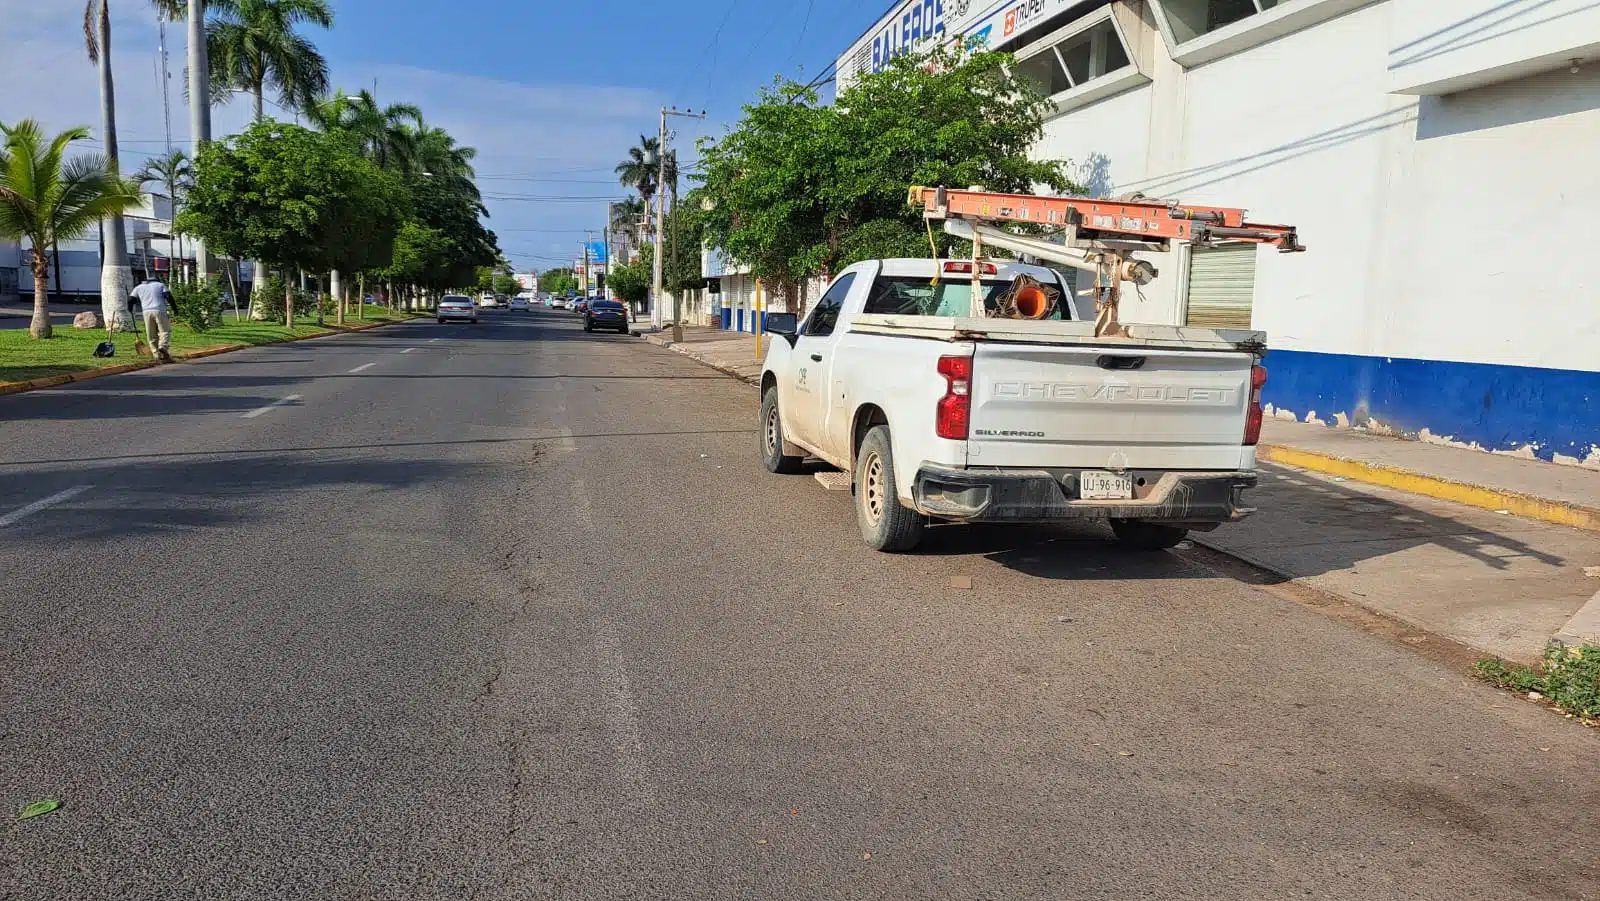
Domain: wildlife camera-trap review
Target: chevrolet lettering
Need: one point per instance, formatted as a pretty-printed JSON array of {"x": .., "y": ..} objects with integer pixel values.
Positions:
[{"x": 1116, "y": 393}]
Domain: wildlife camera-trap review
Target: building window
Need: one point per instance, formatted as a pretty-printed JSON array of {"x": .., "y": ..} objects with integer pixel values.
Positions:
[
  {"x": 1074, "y": 58},
  {"x": 1190, "y": 19}
]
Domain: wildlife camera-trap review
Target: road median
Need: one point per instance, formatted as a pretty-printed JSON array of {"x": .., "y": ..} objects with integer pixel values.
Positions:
[{"x": 71, "y": 360}]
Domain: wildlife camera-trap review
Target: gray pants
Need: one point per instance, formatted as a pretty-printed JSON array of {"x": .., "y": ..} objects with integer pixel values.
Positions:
[{"x": 158, "y": 325}]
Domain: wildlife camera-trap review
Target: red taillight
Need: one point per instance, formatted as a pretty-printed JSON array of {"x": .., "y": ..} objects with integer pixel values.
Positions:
[
  {"x": 1252, "y": 416},
  {"x": 959, "y": 266},
  {"x": 955, "y": 408}
]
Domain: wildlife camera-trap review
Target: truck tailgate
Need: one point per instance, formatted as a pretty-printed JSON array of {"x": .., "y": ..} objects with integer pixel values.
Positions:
[{"x": 1103, "y": 407}]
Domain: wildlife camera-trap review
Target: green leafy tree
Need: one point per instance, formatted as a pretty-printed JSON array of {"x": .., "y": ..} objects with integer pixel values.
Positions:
[
  {"x": 798, "y": 189},
  {"x": 295, "y": 198},
  {"x": 46, "y": 198},
  {"x": 560, "y": 281},
  {"x": 631, "y": 281}
]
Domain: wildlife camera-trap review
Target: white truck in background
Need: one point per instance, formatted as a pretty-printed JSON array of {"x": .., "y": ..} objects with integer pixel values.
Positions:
[{"x": 940, "y": 416}]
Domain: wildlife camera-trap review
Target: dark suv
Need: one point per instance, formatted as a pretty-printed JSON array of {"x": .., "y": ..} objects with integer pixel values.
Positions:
[{"x": 605, "y": 314}]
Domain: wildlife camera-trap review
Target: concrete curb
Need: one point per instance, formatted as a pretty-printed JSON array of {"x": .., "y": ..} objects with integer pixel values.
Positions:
[
  {"x": 722, "y": 366},
  {"x": 54, "y": 381},
  {"x": 1544, "y": 509}
]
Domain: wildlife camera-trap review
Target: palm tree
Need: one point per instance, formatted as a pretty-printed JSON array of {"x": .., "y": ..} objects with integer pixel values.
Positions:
[
  {"x": 172, "y": 173},
  {"x": 116, "y": 277},
  {"x": 388, "y": 134},
  {"x": 47, "y": 199},
  {"x": 637, "y": 172},
  {"x": 252, "y": 46},
  {"x": 194, "y": 13}
]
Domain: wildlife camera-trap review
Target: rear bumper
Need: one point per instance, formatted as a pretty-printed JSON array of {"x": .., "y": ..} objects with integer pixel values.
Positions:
[{"x": 1039, "y": 495}]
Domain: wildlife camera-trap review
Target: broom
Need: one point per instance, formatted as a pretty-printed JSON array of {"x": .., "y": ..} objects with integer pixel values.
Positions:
[{"x": 140, "y": 348}]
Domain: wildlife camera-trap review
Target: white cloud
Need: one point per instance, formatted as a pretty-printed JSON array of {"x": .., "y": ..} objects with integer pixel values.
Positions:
[{"x": 567, "y": 136}]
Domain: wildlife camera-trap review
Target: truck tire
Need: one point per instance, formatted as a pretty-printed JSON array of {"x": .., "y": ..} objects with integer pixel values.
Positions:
[
  {"x": 772, "y": 438},
  {"x": 886, "y": 524},
  {"x": 1147, "y": 536}
]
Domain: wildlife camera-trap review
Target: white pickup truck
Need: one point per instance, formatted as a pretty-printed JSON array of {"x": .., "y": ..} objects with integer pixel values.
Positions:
[{"x": 940, "y": 416}]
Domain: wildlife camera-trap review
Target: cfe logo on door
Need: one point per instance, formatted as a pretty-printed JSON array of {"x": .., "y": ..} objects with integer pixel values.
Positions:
[{"x": 801, "y": 384}]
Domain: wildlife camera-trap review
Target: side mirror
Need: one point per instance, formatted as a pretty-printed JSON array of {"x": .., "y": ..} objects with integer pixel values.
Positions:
[{"x": 785, "y": 325}]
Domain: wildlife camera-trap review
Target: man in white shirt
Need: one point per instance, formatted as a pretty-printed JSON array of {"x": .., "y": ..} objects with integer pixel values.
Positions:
[{"x": 155, "y": 302}]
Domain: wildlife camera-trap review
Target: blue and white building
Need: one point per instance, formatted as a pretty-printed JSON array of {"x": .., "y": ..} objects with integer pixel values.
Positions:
[{"x": 1441, "y": 159}]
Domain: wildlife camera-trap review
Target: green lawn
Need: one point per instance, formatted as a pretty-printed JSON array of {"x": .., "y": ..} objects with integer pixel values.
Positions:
[{"x": 70, "y": 350}]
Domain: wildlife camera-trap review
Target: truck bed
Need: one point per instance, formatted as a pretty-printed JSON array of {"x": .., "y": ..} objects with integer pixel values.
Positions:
[{"x": 1166, "y": 337}]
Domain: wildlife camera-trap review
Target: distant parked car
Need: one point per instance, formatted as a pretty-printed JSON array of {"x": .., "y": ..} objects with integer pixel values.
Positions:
[
  {"x": 456, "y": 307},
  {"x": 606, "y": 314}
]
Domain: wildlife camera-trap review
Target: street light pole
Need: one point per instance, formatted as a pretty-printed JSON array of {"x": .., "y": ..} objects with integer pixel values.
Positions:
[{"x": 663, "y": 155}]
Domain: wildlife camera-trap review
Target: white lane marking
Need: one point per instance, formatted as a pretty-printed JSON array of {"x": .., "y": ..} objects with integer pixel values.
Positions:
[
  {"x": 277, "y": 403},
  {"x": 431, "y": 340},
  {"x": 622, "y": 715},
  {"x": 408, "y": 350},
  {"x": 363, "y": 366},
  {"x": 582, "y": 509},
  {"x": 17, "y": 515},
  {"x": 566, "y": 443}
]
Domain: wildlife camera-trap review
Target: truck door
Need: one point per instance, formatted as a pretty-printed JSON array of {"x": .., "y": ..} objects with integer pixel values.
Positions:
[{"x": 809, "y": 389}]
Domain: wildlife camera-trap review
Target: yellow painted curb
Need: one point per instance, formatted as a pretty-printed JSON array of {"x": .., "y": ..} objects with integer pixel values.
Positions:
[{"x": 1558, "y": 512}]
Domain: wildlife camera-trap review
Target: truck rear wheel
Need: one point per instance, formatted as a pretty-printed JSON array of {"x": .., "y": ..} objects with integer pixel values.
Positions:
[
  {"x": 1147, "y": 536},
  {"x": 886, "y": 524},
  {"x": 772, "y": 438}
]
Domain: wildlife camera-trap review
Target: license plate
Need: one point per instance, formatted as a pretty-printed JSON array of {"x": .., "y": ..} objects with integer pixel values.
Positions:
[{"x": 1098, "y": 485}]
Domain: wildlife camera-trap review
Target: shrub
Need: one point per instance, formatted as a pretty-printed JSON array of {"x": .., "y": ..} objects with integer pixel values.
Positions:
[{"x": 197, "y": 305}]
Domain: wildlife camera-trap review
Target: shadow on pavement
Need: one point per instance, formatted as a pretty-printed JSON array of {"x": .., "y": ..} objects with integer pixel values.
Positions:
[
  {"x": 1318, "y": 526},
  {"x": 21, "y": 480},
  {"x": 208, "y": 492}
]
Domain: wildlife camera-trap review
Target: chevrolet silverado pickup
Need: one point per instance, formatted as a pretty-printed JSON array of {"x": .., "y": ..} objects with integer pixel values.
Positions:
[{"x": 940, "y": 416}]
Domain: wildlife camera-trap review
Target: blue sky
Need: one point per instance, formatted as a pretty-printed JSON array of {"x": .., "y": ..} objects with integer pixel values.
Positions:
[{"x": 552, "y": 94}]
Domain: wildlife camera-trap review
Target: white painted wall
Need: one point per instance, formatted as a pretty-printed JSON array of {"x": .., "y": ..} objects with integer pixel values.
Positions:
[
  {"x": 1440, "y": 47},
  {"x": 1458, "y": 227}
]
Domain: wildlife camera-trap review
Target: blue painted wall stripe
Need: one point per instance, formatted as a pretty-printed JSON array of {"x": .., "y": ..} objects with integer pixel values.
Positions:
[{"x": 1557, "y": 411}]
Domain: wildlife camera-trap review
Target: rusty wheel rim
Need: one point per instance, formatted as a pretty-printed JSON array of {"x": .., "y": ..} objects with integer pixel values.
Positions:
[{"x": 873, "y": 488}]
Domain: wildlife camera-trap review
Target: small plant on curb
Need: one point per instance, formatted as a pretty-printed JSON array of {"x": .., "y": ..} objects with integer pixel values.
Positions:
[{"x": 1568, "y": 678}]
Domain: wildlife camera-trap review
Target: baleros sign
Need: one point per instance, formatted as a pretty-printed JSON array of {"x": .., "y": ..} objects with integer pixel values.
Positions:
[{"x": 916, "y": 22}]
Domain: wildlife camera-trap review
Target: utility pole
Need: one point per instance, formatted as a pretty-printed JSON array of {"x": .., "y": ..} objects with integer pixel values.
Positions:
[
  {"x": 586, "y": 281},
  {"x": 610, "y": 208},
  {"x": 663, "y": 154},
  {"x": 166, "y": 96}
]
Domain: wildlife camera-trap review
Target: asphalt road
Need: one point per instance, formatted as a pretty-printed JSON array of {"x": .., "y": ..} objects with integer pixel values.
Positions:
[{"x": 511, "y": 612}]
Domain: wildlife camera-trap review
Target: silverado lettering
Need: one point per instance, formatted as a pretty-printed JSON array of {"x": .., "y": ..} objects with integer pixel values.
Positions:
[
  {"x": 1121, "y": 394},
  {"x": 1002, "y": 433}
]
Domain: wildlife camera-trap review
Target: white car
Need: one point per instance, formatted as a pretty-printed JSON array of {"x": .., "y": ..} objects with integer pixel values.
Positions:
[
  {"x": 486, "y": 300},
  {"x": 943, "y": 417},
  {"x": 520, "y": 303},
  {"x": 456, "y": 308}
]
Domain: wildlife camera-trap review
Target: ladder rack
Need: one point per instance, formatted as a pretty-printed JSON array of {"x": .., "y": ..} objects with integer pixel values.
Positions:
[{"x": 1100, "y": 235}]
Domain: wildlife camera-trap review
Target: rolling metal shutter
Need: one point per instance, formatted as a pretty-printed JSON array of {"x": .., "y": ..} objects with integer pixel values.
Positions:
[{"x": 1222, "y": 283}]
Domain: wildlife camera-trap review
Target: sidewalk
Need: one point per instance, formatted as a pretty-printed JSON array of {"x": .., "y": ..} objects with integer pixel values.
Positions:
[{"x": 1484, "y": 549}]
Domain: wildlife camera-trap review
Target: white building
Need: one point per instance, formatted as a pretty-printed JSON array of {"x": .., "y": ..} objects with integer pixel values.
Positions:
[
  {"x": 150, "y": 248},
  {"x": 1441, "y": 159}
]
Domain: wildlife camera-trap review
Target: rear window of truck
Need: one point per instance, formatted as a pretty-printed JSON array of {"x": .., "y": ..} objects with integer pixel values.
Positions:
[{"x": 912, "y": 295}]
